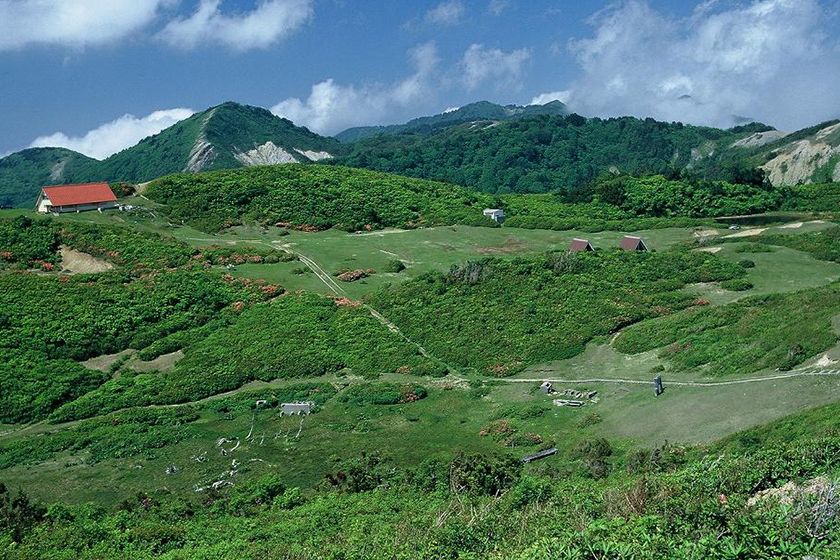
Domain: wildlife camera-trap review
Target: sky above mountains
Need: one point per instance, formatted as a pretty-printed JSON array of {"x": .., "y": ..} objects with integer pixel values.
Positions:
[{"x": 98, "y": 75}]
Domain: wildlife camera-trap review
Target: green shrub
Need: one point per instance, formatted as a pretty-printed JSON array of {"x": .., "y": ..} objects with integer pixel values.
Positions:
[
  {"x": 496, "y": 315},
  {"x": 394, "y": 266},
  {"x": 737, "y": 285}
]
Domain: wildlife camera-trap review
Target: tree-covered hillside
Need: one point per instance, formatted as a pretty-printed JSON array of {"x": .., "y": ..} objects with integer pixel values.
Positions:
[
  {"x": 541, "y": 154},
  {"x": 209, "y": 140},
  {"x": 315, "y": 196}
]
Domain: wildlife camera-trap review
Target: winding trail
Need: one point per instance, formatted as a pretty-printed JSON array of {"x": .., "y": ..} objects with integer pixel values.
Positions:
[{"x": 339, "y": 291}]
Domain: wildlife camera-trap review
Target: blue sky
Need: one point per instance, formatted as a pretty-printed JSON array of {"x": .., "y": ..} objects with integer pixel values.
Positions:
[{"x": 98, "y": 75}]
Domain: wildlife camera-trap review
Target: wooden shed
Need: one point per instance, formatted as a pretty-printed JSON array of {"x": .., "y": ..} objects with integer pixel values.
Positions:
[
  {"x": 580, "y": 245},
  {"x": 631, "y": 243}
]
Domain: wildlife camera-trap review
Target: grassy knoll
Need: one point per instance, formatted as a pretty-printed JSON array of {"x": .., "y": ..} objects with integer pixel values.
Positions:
[
  {"x": 495, "y": 316},
  {"x": 773, "y": 331}
]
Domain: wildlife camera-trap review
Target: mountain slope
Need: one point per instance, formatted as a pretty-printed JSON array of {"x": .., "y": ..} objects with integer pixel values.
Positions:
[
  {"x": 541, "y": 153},
  {"x": 226, "y": 136},
  {"x": 479, "y": 111},
  {"x": 23, "y": 173}
]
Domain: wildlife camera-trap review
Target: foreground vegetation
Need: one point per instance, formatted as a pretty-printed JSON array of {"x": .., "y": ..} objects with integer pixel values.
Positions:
[{"x": 669, "y": 502}]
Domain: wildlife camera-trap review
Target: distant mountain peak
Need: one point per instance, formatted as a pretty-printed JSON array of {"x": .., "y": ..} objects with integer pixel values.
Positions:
[{"x": 476, "y": 111}]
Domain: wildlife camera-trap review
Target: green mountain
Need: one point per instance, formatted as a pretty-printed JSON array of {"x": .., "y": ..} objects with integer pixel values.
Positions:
[
  {"x": 222, "y": 137},
  {"x": 545, "y": 153},
  {"x": 226, "y": 136},
  {"x": 479, "y": 111},
  {"x": 23, "y": 173}
]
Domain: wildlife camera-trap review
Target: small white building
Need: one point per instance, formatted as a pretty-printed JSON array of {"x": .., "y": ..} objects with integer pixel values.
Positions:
[
  {"x": 76, "y": 198},
  {"x": 296, "y": 408},
  {"x": 495, "y": 214}
]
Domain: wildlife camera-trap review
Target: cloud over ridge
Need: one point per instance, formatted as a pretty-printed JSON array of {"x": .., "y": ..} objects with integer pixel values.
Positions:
[
  {"x": 765, "y": 60},
  {"x": 114, "y": 136}
]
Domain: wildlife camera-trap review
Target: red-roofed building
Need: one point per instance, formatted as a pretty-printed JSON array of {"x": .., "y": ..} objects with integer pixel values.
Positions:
[
  {"x": 76, "y": 198},
  {"x": 631, "y": 243},
  {"x": 580, "y": 245}
]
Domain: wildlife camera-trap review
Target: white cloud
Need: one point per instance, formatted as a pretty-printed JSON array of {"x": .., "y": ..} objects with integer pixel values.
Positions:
[
  {"x": 446, "y": 13},
  {"x": 769, "y": 60},
  {"x": 74, "y": 23},
  {"x": 548, "y": 97},
  {"x": 116, "y": 135},
  {"x": 269, "y": 22},
  {"x": 480, "y": 64},
  {"x": 332, "y": 107},
  {"x": 496, "y": 7}
]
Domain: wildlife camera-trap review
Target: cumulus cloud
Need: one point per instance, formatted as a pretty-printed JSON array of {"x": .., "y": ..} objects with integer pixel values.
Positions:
[
  {"x": 480, "y": 64},
  {"x": 446, "y": 13},
  {"x": 770, "y": 60},
  {"x": 116, "y": 135},
  {"x": 548, "y": 97},
  {"x": 76, "y": 23},
  {"x": 332, "y": 107},
  {"x": 269, "y": 22},
  {"x": 496, "y": 7}
]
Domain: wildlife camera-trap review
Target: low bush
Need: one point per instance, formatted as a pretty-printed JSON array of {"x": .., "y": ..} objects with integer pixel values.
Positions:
[
  {"x": 737, "y": 285},
  {"x": 382, "y": 393}
]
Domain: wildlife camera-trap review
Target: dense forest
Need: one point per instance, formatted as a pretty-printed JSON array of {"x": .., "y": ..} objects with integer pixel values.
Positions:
[{"x": 545, "y": 153}]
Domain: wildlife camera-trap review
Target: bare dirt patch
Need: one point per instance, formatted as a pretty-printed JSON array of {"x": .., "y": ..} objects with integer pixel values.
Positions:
[
  {"x": 164, "y": 362},
  {"x": 794, "y": 225},
  {"x": 710, "y": 249},
  {"x": 77, "y": 262},
  {"x": 746, "y": 233},
  {"x": 105, "y": 361},
  {"x": 706, "y": 233}
]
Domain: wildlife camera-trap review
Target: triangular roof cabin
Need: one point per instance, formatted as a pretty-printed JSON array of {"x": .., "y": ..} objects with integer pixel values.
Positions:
[
  {"x": 631, "y": 243},
  {"x": 580, "y": 245}
]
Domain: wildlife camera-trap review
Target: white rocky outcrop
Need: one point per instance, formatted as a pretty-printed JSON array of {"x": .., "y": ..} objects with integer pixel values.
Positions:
[
  {"x": 265, "y": 154},
  {"x": 314, "y": 156},
  {"x": 798, "y": 161},
  {"x": 759, "y": 139}
]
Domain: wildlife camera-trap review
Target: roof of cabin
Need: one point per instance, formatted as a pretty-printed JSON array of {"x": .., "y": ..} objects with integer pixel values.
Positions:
[{"x": 71, "y": 195}]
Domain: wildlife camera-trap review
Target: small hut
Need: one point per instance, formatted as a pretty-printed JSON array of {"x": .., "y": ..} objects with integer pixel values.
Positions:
[
  {"x": 546, "y": 388},
  {"x": 495, "y": 214},
  {"x": 580, "y": 246},
  {"x": 631, "y": 243}
]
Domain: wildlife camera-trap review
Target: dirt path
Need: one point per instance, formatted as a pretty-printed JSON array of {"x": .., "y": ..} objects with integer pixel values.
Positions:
[{"x": 775, "y": 377}]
